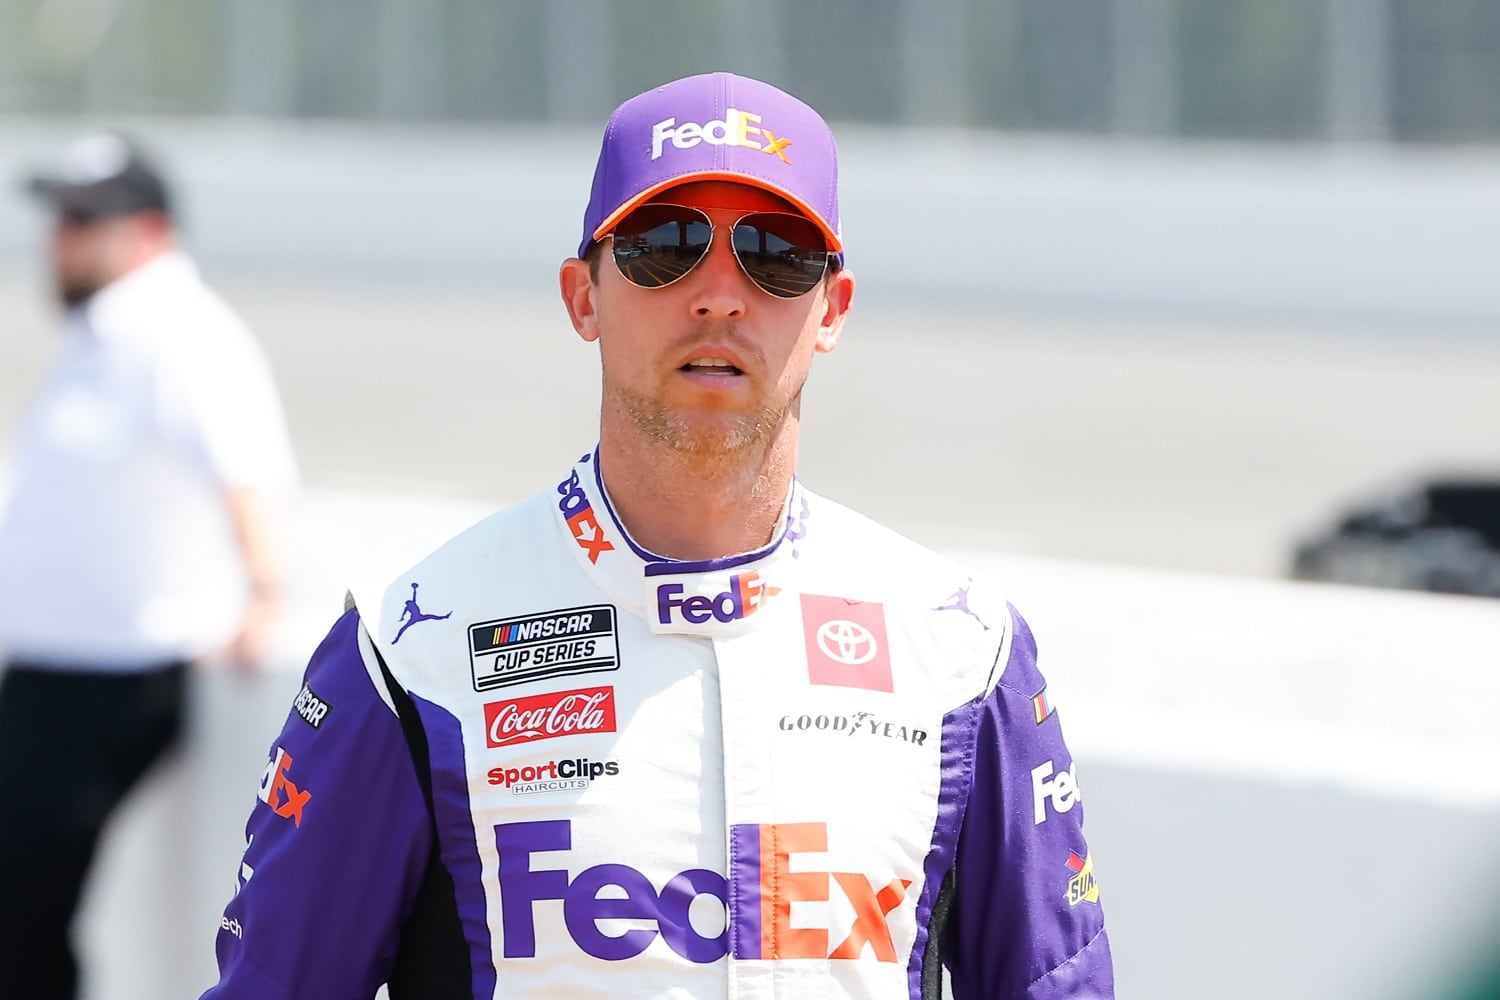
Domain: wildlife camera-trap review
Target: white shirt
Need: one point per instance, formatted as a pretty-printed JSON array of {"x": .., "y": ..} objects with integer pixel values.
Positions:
[{"x": 116, "y": 549}]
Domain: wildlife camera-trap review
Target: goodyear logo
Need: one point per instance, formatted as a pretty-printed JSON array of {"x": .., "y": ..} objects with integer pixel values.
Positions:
[
  {"x": 1082, "y": 887},
  {"x": 736, "y": 128}
]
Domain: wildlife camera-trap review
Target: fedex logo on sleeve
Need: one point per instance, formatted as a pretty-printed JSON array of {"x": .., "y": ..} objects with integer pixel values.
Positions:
[
  {"x": 1060, "y": 790},
  {"x": 278, "y": 791},
  {"x": 736, "y": 128},
  {"x": 756, "y": 921}
]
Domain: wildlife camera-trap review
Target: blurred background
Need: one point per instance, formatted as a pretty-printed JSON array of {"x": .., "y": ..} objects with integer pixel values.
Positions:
[{"x": 1152, "y": 293}]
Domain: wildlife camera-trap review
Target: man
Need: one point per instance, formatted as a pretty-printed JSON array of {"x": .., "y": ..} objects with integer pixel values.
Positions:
[
  {"x": 139, "y": 536},
  {"x": 677, "y": 727}
]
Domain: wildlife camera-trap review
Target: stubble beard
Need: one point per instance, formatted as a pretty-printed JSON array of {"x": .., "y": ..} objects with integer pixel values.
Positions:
[{"x": 712, "y": 438}]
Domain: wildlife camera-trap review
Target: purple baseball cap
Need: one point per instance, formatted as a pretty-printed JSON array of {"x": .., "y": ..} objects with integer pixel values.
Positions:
[{"x": 715, "y": 127}]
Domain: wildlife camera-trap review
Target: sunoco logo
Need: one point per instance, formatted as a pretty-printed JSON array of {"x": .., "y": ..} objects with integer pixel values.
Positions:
[
  {"x": 1083, "y": 887},
  {"x": 548, "y": 716}
]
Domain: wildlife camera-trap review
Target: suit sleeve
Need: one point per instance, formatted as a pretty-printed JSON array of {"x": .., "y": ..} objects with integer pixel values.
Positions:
[
  {"x": 337, "y": 844},
  {"x": 1025, "y": 921}
]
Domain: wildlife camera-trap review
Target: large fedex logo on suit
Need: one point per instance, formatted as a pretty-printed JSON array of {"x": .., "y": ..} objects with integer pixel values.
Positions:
[{"x": 757, "y": 924}]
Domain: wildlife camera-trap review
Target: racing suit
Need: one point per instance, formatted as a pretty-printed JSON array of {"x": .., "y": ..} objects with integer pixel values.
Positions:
[{"x": 544, "y": 762}]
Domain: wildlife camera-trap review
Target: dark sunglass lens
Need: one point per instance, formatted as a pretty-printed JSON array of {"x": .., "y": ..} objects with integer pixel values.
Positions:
[
  {"x": 657, "y": 244},
  {"x": 783, "y": 254}
]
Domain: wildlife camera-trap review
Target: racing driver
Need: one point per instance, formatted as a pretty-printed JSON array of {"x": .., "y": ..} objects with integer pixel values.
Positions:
[{"x": 677, "y": 726}]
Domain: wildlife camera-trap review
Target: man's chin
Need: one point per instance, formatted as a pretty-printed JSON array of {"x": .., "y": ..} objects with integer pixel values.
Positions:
[
  {"x": 701, "y": 433},
  {"x": 705, "y": 435},
  {"x": 718, "y": 438}
]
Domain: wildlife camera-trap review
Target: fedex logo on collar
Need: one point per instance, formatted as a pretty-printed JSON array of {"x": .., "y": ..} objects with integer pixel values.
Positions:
[
  {"x": 582, "y": 521},
  {"x": 757, "y": 920},
  {"x": 746, "y": 594},
  {"x": 736, "y": 128}
]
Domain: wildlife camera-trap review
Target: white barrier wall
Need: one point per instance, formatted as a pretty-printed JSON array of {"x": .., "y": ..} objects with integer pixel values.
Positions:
[
  {"x": 1321, "y": 232},
  {"x": 1293, "y": 790}
]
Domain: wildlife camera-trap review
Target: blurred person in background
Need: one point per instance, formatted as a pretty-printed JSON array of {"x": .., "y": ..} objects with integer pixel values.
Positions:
[
  {"x": 148, "y": 486},
  {"x": 799, "y": 754}
]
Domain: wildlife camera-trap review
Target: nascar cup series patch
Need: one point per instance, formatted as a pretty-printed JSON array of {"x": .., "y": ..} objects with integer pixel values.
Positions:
[{"x": 548, "y": 644}]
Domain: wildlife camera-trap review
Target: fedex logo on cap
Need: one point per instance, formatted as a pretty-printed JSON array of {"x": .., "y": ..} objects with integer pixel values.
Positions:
[
  {"x": 736, "y": 128},
  {"x": 756, "y": 920}
]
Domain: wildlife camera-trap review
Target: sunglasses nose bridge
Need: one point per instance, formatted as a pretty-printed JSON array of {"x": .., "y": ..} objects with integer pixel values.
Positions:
[{"x": 721, "y": 288}]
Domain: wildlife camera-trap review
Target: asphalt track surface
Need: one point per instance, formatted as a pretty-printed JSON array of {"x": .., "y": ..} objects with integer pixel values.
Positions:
[{"x": 1199, "y": 447}]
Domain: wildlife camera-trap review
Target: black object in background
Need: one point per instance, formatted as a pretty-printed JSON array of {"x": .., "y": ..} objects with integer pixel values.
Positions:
[{"x": 1443, "y": 536}]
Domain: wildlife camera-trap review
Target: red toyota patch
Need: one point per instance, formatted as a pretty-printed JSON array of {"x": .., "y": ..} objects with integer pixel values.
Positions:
[{"x": 846, "y": 644}]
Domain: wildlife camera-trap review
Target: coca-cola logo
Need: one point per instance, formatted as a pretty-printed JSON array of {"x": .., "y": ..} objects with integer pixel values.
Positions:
[{"x": 548, "y": 716}]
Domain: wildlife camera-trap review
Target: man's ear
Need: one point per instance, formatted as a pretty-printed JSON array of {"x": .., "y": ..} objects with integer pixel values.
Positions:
[
  {"x": 838, "y": 298},
  {"x": 578, "y": 289}
]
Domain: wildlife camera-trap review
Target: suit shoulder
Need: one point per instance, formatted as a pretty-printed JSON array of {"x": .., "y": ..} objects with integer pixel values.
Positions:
[
  {"x": 486, "y": 543},
  {"x": 903, "y": 569}
]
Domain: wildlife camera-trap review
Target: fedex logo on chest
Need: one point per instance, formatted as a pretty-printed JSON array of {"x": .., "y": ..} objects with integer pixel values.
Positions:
[
  {"x": 736, "y": 128},
  {"x": 838, "y": 915}
]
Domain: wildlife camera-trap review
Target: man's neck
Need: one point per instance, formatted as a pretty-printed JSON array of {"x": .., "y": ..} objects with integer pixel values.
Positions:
[{"x": 691, "y": 507}]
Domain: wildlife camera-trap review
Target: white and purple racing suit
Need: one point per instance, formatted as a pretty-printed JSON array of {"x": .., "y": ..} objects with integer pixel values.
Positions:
[{"x": 544, "y": 763}]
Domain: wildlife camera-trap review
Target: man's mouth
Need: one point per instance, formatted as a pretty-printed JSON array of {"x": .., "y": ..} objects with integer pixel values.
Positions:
[{"x": 710, "y": 366}]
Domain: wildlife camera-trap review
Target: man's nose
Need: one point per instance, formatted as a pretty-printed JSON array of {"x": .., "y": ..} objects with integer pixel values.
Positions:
[{"x": 720, "y": 288}]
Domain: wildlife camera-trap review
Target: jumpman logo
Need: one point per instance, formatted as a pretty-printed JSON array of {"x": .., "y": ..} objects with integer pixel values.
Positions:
[
  {"x": 959, "y": 601},
  {"x": 414, "y": 614}
]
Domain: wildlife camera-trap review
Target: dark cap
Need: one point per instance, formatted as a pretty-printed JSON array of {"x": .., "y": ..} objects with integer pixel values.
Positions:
[{"x": 106, "y": 175}]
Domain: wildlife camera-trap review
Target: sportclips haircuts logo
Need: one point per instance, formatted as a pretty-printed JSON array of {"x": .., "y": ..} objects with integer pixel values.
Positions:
[
  {"x": 553, "y": 776},
  {"x": 770, "y": 875},
  {"x": 736, "y": 128},
  {"x": 548, "y": 716}
]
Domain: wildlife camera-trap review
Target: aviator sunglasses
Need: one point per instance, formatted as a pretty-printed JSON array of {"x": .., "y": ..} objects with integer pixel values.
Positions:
[{"x": 784, "y": 254}]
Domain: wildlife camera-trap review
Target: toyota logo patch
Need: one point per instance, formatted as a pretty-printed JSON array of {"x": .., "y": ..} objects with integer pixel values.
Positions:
[{"x": 846, "y": 643}]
